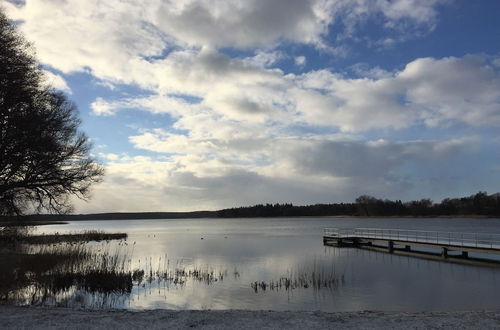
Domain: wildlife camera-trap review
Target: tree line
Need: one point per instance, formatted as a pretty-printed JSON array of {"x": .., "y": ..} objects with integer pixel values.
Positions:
[{"x": 480, "y": 204}]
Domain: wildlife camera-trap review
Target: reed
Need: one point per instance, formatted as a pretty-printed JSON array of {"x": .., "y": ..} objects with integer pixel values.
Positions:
[
  {"x": 175, "y": 273},
  {"x": 40, "y": 268},
  {"x": 317, "y": 277},
  {"x": 21, "y": 235}
]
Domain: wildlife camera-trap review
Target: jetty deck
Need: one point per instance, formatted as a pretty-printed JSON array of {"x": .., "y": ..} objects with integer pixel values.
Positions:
[{"x": 445, "y": 245}]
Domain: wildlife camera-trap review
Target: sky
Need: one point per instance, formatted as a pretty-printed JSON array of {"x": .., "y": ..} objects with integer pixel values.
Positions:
[{"x": 202, "y": 105}]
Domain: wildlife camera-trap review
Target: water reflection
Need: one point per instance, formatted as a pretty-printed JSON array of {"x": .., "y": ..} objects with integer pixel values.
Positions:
[
  {"x": 101, "y": 276},
  {"x": 276, "y": 264}
]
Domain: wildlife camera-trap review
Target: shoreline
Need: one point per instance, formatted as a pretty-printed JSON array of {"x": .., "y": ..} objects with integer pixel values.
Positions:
[
  {"x": 65, "y": 220},
  {"x": 12, "y": 317}
]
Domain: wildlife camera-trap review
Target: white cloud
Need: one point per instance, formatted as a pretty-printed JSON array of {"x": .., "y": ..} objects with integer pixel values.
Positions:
[
  {"x": 464, "y": 89},
  {"x": 427, "y": 90},
  {"x": 56, "y": 81},
  {"x": 377, "y": 159},
  {"x": 118, "y": 41},
  {"x": 421, "y": 15},
  {"x": 242, "y": 122},
  {"x": 264, "y": 59},
  {"x": 296, "y": 170},
  {"x": 433, "y": 91},
  {"x": 243, "y": 24},
  {"x": 157, "y": 104},
  {"x": 421, "y": 11},
  {"x": 300, "y": 60}
]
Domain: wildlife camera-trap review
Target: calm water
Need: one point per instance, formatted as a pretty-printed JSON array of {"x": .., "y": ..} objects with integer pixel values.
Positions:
[{"x": 240, "y": 264}]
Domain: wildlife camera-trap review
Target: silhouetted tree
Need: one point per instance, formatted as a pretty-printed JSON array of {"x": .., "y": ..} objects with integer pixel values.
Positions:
[
  {"x": 479, "y": 204},
  {"x": 44, "y": 158},
  {"x": 366, "y": 205}
]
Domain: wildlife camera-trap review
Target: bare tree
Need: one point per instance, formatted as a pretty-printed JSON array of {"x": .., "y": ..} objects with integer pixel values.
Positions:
[{"x": 44, "y": 158}]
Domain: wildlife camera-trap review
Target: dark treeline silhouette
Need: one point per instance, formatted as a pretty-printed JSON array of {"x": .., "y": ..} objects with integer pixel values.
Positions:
[
  {"x": 288, "y": 210},
  {"x": 480, "y": 204},
  {"x": 114, "y": 216}
]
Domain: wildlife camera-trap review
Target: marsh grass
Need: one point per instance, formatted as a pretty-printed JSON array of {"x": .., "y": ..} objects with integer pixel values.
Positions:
[
  {"x": 58, "y": 270},
  {"x": 175, "y": 273},
  {"x": 22, "y": 235},
  {"x": 65, "y": 270},
  {"x": 27, "y": 223},
  {"x": 38, "y": 269},
  {"x": 317, "y": 277}
]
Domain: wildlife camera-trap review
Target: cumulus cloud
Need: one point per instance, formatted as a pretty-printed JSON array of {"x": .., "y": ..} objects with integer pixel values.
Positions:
[
  {"x": 300, "y": 60},
  {"x": 117, "y": 41},
  {"x": 421, "y": 11},
  {"x": 465, "y": 89},
  {"x": 251, "y": 23},
  {"x": 170, "y": 47},
  {"x": 430, "y": 91},
  {"x": 372, "y": 159},
  {"x": 265, "y": 59},
  {"x": 158, "y": 104},
  {"x": 56, "y": 81},
  {"x": 298, "y": 171},
  {"x": 241, "y": 121},
  {"x": 427, "y": 90}
]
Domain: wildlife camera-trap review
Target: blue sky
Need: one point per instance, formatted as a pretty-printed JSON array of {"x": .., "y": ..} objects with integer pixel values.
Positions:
[{"x": 208, "y": 104}]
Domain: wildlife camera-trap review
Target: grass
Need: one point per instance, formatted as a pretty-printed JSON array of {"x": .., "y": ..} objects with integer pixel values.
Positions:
[
  {"x": 22, "y": 235},
  {"x": 165, "y": 272},
  {"x": 50, "y": 267},
  {"x": 58, "y": 270},
  {"x": 28, "y": 223},
  {"x": 316, "y": 277},
  {"x": 62, "y": 269}
]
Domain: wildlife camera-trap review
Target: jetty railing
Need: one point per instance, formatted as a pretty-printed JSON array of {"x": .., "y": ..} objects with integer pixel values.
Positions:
[{"x": 478, "y": 240}]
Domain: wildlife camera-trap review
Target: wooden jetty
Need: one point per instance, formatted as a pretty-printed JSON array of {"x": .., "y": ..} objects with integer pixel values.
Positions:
[{"x": 437, "y": 245}]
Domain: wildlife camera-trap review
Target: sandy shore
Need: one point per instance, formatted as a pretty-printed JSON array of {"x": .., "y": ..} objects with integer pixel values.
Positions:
[{"x": 62, "y": 318}]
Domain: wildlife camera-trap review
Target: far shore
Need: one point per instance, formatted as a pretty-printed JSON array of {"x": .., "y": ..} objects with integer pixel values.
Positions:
[
  {"x": 52, "y": 219},
  {"x": 65, "y": 318}
]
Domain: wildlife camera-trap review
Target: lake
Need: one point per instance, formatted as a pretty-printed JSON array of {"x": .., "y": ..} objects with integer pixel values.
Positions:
[{"x": 281, "y": 264}]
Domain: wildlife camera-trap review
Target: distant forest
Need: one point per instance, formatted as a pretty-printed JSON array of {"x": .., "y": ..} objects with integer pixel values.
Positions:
[{"x": 480, "y": 204}]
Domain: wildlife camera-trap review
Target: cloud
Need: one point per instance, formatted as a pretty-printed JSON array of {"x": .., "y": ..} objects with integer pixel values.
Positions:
[
  {"x": 160, "y": 141},
  {"x": 429, "y": 91},
  {"x": 299, "y": 171},
  {"x": 252, "y": 23},
  {"x": 420, "y": 11},
  {"x": 242, "y": 123},
  {"x": 300, "y": 60},
  {"x": 161, "y": 47},
  {"x": 372, "y": 159},
  {"x": 56, "y": 81},
  {"x": 121, "y": 40},
  {"x": 157, "y": 104},
  {"x": 170, "y": 47},
  {"x": 265, "y": 59},
  {"x": 418, "y": 16},
  {"x": 464, "y": 89}
]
